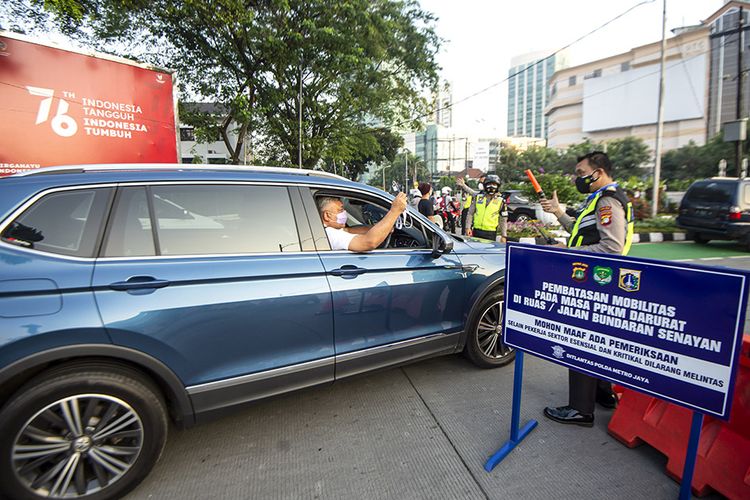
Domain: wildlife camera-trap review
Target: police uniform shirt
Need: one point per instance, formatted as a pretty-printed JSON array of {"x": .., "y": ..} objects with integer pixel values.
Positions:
[
  {"x": 502, "y": 222},
  {"x": 611, "y": 223}
]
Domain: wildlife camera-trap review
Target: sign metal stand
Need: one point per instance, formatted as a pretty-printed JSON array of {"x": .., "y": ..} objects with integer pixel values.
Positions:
[
  {"x": 690, "y": 456},
  {"x": 516, "y": 435}
]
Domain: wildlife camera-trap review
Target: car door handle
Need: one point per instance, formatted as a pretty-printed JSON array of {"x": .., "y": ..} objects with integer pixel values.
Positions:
[
  {"x": 347, "y": 271},
  {"x": 138, "y": 282},
  {"x": 468, "y": 268}
]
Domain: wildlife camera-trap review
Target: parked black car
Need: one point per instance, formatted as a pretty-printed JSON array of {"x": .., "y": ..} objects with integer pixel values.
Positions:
[
  {"x": 520, "y": 208},
  {"x": 717, "y": 209}
]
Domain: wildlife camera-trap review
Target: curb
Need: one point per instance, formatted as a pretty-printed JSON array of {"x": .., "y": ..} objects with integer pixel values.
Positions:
[
  {"x": 657, "y": 237},
  {"x": 637, "y": 238}
]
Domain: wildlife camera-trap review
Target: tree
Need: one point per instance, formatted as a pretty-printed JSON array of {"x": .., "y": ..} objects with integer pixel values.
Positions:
[
  {"x": 394, "y": 172},
  {"x": 539, "y": 159},
  {"x": 694, "y": 162},
  {"x": 369, "y": 146},
  {"x": 356, "y": 60},
  {"x": 628, "y": 155}
]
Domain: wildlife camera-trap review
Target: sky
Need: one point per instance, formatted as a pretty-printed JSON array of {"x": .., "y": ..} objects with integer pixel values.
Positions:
[{"x": 482, "y": 36}]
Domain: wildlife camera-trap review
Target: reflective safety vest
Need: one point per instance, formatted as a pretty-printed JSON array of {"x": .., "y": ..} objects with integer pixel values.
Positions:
[
  {"x": 585, "y": 231},
  {"x": 467, "y": 201},
  {"x": 487, "y": 215}
]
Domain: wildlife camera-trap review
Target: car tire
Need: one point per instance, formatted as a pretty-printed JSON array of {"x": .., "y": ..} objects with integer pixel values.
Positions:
[
  {"x": 484, "y": 345},
  {"x": 521, "y": 216},
  {"x": 700, "y": 239},
  {"x": 89, "y": 430}
]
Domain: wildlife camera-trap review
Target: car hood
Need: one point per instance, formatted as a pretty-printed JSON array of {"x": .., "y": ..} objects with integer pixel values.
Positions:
[{"x": 464, "y": 244}]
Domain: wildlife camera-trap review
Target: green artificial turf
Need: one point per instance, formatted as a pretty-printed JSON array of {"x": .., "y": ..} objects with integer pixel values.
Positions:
[{"x": 687, "y": 250}]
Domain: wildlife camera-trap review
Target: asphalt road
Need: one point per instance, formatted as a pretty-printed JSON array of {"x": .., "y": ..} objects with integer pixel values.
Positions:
[{"x": 420, "y": 431}]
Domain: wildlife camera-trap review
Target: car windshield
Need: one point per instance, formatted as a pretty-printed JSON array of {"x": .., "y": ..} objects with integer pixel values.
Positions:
[{"x": 713, "y": 192}]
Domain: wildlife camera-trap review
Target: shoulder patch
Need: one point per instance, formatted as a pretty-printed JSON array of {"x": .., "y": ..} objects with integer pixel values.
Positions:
[{"x": 605, "y": 215}]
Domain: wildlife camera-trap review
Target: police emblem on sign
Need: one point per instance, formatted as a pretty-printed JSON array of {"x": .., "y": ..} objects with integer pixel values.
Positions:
[
  {"x": 602, "y": 275},
  {"x": 579, "y": 271},
  {"x": 558, "y": 351},
  {"x": 630, "y": 280}
]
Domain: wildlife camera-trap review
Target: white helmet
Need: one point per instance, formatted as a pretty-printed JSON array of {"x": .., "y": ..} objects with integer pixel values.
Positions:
[
  {"x": 446, "y": 190},
  {"x": 415, "y": 193}
]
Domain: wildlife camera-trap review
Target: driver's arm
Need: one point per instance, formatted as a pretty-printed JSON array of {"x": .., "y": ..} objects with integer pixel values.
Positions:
[
  {"x": 357, "y": 229},
  {"x": 371, "y": 239}
]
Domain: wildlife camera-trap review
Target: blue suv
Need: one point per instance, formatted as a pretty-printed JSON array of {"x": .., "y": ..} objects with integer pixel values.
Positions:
[{"x": 134, "y": 296}]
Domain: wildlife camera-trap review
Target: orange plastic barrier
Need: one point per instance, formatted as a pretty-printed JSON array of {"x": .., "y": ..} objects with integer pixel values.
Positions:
[{"x": 723, "y": 462}]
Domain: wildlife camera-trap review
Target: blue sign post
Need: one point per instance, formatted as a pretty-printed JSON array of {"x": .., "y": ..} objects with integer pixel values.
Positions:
[{"x": 667, "y": 329}]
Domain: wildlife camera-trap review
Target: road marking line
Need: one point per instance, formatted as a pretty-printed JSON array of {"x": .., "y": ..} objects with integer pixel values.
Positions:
[
  {"x": 712, "y": 258},
  {"x": 739, "y": 256}
]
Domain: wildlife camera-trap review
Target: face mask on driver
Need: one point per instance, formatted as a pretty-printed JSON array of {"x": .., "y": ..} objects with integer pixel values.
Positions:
[
  {"x": 583, "y": 184},
  {"x": 342, "y": 217}
]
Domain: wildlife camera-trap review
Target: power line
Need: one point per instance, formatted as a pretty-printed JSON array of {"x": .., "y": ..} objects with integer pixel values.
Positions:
[{"x": 496, "y": 84}]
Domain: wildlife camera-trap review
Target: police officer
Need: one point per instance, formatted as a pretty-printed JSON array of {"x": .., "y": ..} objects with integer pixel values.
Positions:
[
  {"x": 469, "y": 195},
  {"x": 488, "y": 214},
  {"x": 604, "y": 225}
]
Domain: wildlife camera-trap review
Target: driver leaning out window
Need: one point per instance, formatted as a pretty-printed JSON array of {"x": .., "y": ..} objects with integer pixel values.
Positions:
[{"x": 361, "y": 238}]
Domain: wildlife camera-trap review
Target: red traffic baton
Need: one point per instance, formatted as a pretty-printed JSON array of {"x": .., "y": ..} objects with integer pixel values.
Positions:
[{"x": 535, "y": 184}]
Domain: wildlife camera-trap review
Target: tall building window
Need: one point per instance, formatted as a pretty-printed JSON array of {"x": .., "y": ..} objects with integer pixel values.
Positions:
[
  {"x": 187, "y": 134},
  {"x": 572, "y": 81},
  {"x": 625, "y": 66},
  {"x": 594, "y": 74}
]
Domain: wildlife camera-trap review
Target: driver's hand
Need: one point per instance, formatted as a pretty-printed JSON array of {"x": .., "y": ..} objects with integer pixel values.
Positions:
[
  {"x": 469, "y": 232},
  {"x": 399, "y": 203}
]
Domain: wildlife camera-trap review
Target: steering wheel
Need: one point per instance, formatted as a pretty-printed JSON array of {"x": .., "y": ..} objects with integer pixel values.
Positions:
[{"x": 387, "y": 241}]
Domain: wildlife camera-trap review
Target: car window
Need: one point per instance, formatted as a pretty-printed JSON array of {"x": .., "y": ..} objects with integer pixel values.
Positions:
[
  {"x": 712, "y": 192},
  {"x": 215, "y": 219},
  {"x": 746, "y": 194},
  {"x": 363, "y": 212},
  {"x": 66, "y": 223},
  {"x": 129, "y": 233}
]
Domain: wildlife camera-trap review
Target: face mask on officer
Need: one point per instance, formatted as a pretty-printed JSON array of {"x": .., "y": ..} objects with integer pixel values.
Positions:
[
  {"x": 491, "y": 189},
  {"x": 480, "y": 186},
  {"x": 583, "y": 183}
]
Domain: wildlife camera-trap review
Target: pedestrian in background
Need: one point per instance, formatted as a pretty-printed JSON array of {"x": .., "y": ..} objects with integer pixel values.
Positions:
[
  {"x": 604, "y": 225},
  {"x": 426, "y": 206}
]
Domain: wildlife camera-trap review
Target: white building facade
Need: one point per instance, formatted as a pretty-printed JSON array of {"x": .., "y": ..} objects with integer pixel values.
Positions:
[
  {"x": 447, "y": 151},
  {"x": 617, "y": 96}
]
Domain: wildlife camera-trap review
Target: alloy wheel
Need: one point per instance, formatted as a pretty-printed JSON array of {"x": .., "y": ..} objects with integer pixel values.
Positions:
[
  {"x": 77, "y": 446},
  {"x": 490, "y": 332}
]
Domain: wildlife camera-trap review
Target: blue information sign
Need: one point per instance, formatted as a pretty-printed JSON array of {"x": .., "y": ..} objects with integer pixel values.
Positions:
[{"x": 668, "y": 329}]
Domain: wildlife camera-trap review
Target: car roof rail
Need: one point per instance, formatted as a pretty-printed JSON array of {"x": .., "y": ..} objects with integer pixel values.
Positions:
[{"x": 79, "y": 169}]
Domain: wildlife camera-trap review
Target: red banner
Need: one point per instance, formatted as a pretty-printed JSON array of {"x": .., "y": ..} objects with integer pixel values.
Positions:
[{"x": 63, "y": 108}]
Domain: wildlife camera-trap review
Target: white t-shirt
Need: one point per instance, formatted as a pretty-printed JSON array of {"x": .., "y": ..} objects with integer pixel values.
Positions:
[{"x": 339, "y": 238}]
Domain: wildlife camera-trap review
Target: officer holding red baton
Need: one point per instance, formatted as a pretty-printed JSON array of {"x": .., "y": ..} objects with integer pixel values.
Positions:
[{"x": 604, "y": 225}]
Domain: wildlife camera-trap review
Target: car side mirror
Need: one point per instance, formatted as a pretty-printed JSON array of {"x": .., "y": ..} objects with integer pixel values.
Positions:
[{"x": 441, "y": 244}]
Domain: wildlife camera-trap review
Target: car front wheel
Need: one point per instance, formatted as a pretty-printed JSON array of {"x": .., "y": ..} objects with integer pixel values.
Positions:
[
  {"x": 85, "y": 431},
  {"x": 484, "y": 343}
]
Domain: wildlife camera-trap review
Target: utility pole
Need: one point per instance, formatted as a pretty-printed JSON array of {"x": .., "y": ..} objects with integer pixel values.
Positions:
[
  {"x": 406, "y": 171},
  {"x": 299, "y": 141},
  {"x": 660, "y": 113},
  {"x": 738, "y": 111}
]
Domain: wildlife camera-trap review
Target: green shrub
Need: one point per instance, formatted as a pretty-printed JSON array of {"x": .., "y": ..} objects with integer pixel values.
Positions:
[
  {"x": 659, "y": 224},
  {"x": 524, "y": 229}
]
